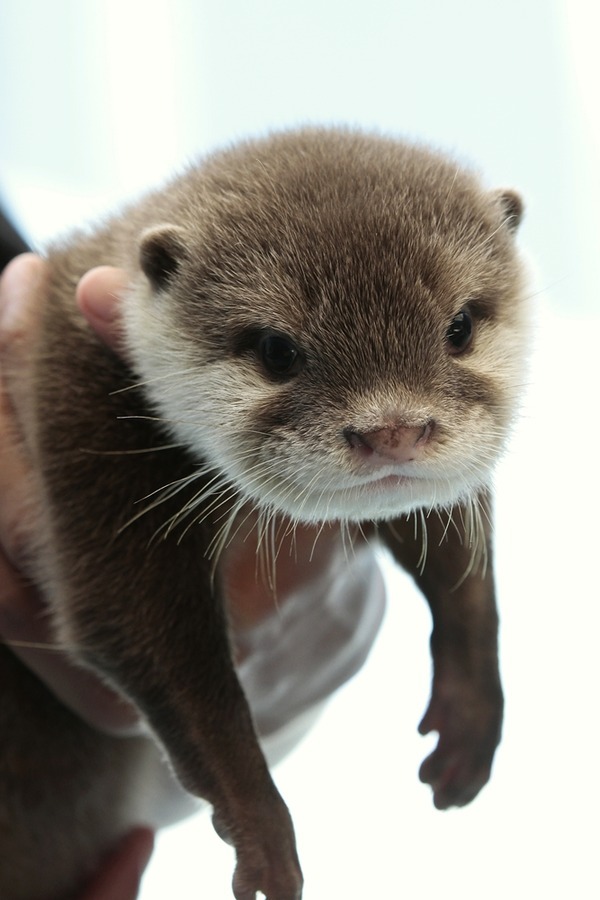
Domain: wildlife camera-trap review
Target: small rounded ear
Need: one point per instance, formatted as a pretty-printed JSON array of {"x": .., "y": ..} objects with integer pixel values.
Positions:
[
  {"x": 512, "y": 207},
  {"x": 162, "y": 250}
]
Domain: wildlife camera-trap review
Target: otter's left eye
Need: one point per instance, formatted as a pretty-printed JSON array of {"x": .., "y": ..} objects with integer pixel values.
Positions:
[
  {"x": 460, "y": 332},
  {"x": 279, "y": 355}
]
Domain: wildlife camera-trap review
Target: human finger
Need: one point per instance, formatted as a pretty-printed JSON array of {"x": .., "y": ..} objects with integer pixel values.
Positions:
[
  {"x": 99, "y": 298},
  {"x": 121, "y": 873},
  {"x": 21, "y": 287}
]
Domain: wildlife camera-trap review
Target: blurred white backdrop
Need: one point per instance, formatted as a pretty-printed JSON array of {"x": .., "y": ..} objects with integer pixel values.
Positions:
[{"x": 99, "y": 100}]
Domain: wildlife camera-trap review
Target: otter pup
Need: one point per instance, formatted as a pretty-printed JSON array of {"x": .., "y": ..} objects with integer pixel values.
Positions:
[{"x": 322, "y": 327}]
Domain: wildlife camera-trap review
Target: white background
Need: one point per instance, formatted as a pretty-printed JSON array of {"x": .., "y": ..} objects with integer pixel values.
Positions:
[{"x": 100, "y": 99}]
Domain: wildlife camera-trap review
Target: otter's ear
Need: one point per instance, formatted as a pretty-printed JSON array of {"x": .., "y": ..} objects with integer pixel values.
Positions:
[
  {"x": 162, "y": 250},
  {"x": 511, "y": 205}
]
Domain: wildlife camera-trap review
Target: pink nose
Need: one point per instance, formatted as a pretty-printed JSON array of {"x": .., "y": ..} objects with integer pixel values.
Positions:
[{"x": 399, "y": 443}]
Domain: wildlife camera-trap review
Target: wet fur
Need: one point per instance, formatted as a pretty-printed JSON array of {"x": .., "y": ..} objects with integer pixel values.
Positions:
[{"x": 362, "y": 249}]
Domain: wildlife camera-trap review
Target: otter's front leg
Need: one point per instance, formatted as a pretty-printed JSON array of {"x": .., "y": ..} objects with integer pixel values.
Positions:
[
  {"x": 466, "y": 705},
  {"x": 152, "y": 619}
]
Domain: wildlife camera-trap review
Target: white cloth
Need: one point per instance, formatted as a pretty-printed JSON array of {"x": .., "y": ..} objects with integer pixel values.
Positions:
[{"x": 294, "y": 660}]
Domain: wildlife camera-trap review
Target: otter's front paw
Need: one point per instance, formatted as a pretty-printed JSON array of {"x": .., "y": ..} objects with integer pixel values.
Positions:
[
  {"x": 273, "y": 870},
  {"x": 281, "y": 880},
  {"x": 468, "y": 719},
  {"x": 266, "y": 858}
]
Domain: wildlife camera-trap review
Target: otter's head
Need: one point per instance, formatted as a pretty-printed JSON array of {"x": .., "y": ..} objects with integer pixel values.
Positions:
[{"x": 335, "y": 323}]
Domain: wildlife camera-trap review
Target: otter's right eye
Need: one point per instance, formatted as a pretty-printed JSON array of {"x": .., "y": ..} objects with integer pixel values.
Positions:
[
  {"x": 460, "y": 332},
  {"x": 279, "y": 355}
]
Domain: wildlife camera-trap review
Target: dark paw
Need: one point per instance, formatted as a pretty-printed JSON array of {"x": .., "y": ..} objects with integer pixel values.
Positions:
[
  {"x": 266, "y": 858},
  {"x": 279, "y": 881},
  {"x": 469, "y": 728},
  {"x": 276, "y": 874}
]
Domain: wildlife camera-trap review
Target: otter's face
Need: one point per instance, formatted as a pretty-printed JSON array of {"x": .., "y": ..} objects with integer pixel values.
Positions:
[{"x": 342, "y": 337}]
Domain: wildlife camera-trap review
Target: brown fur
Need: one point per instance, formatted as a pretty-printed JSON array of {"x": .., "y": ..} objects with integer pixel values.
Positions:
[{"x": 363, "y": 249}]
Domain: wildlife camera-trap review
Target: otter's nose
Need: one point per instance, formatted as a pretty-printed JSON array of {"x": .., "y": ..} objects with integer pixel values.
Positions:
[{"x": 398, "y": 443}]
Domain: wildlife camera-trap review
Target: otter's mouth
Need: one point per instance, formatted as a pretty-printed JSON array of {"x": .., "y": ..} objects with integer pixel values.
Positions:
[{"x": 389, "y": 482}]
